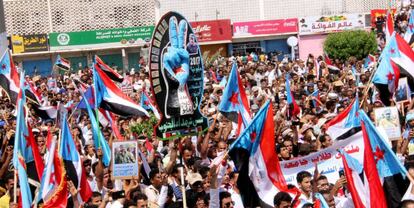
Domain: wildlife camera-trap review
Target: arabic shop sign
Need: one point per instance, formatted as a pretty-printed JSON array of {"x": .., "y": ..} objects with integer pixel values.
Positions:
[
  {"x": 327, "y": 24},
  {"x": 329, "y": 160},
  {"x": 29, "y": 43},
  {"x": 267, "y": 27},
  {"x": 137, "y": 36},
  {"x": 213, "y": 30}
]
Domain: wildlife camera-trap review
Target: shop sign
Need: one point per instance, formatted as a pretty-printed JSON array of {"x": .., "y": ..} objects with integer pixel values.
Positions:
[
  {"x": 327, "y": 24},
  {"x": 214, "y": 30},
  {"x": 267, "y": 27},
  {"x": 101, "y": 38},
  {"x": 29, "y": 43}
]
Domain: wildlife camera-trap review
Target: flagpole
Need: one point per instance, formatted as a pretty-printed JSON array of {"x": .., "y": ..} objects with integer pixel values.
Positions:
[
  {"x": 15, "y": 186},
  {"x": 59, "y": 138},
  {"x": 183, "y": 186},
  {"x": 95, "y": 97},
  {"x": 368, "y": 86},
  {"x": 73, "y": 112}
]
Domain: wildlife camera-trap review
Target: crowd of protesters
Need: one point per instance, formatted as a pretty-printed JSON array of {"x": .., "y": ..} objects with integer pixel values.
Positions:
[{"x": 205, "y": 186}]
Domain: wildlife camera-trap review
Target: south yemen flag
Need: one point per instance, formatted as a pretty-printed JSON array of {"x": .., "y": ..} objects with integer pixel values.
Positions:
[{"x": 263, "y": 171}]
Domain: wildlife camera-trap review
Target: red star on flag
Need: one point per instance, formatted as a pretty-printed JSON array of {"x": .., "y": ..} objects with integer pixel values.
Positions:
[
  {"x": 27, "y": 141},
  {"x": 390, "y": 76},
  {"x": 146, "y": 102},
  {"x": 379, "y": 154},
  {"x": 234, "y": 98},
  {"x": 253, "y": 135},
  {"x": 90, "y": 100},
  {"x": 178, "y": 70},
  {"x": 392, "y": 50},
  {"x": 3, "y": 66}
]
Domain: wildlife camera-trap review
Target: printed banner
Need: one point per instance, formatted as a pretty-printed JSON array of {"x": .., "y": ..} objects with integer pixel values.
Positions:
[
  {"x": 214, "y": 30},
  {"x": 403, "y": 93},
  {"x": 327, "y": 24},
  {"x": 267, "y": 27},
  {"x": 137, "y": 36},
  {"x": 29, "y": 43},
  {"x": 176, "y": 73},
  {"x": 379, "y": 14},
  {"x": 387, "y": 120},
  {"x": 124, "y": 162},
  {"x": 329, "y": 160}
]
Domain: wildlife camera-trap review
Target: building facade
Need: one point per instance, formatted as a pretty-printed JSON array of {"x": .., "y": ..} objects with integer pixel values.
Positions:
[{"x": 78, "y": 29}]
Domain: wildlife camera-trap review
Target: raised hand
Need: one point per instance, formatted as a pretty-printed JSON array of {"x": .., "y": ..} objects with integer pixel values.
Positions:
[{"x": 176, "y": 59}]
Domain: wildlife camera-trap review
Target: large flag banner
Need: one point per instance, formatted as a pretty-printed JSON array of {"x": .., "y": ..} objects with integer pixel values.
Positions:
[
  {"x": 389, "y": 25},
  {"x": 264, "y": 171},
  {"x": 353, "y": 169},
  {"x": 294, "y": 109},
  {"x": 62, "y": 63},
  {"x": 148, "y": 104},
  {"x": 409, "y": 34},
  {"x": 329, "y": 160},
  {"x": 345, "y": 123},
  {"x": 21, "y": 152},
  {"x": 10, "y": 81},
  {"x": 73, "y": 163},
  {"x": 404, "y": 55},
  {"x": 109, "y": 97},
  {"x": 111, "y": 73},
  {"x": 176, "y": 74},
  {"x": 53, "y": 189},
  {"x": 387, "y": 162},
  {"x": 98, "y": 138},
  {"x": 9, "y": 76},
  {"x": 234, "y": 103}
]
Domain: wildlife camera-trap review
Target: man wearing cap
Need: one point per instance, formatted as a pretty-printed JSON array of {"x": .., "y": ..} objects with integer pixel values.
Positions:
[{"x": 196, "y": 181}]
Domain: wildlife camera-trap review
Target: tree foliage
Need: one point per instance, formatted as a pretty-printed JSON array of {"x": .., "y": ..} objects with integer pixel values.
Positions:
[
  {"x": 345, "y": 44},
  {"x": 146, "y": 127}
]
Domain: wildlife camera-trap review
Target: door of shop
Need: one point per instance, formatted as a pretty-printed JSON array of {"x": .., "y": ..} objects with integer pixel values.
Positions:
[{"x": 246, "y": 48}]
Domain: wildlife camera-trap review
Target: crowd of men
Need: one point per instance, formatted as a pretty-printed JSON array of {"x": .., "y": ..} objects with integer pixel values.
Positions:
[{"x": 205, "y": 185}]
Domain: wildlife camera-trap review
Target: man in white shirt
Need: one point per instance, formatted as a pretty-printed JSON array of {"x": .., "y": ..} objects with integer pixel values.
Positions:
[
  {"x": 304, "y": 180},
  {"x": 157, "y": 191}
]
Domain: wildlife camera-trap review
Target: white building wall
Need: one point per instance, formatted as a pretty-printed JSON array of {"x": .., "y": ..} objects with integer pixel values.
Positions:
[
  {"x": 32, "y": 16},
  {"x": 248, "y": 10}
]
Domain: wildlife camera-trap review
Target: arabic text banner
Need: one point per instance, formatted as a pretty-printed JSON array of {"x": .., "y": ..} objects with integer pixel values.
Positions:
[
  {"x": 29, "y": 43},
  {"x": 214, "y": 30},
  {"x": 267, "y": 27},
  {"x": 96, "y": 38},
  {"x": 328, "y": 160},
  {"x": 334, "y": 23}
]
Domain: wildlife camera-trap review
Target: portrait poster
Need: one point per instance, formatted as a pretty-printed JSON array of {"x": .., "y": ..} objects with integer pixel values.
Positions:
[
  {"x": 176, "y": 74},
  {"x": 403, "y": 91},
  {"x": 124, "y": 162},
  {"x": 387, "y": 120}
]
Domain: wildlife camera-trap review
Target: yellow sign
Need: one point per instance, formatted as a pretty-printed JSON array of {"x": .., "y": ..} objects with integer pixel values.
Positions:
[
  {"x": 29, "y": 43},
  {"x": 17, "y": 44}
]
